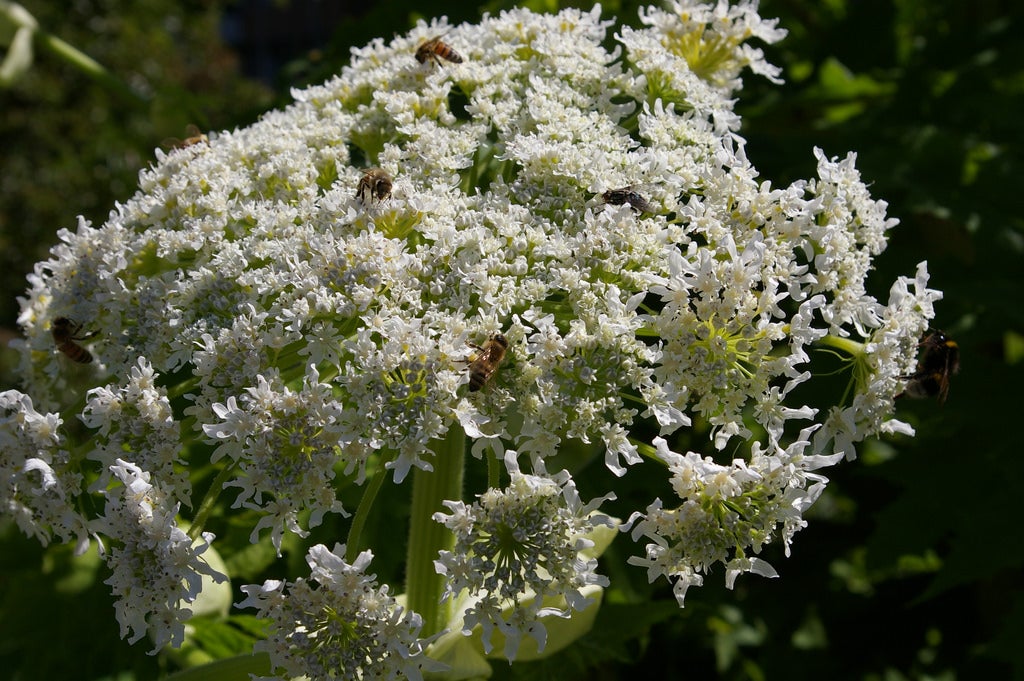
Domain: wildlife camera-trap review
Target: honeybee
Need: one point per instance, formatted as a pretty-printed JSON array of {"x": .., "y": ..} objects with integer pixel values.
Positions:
[
  {"x": 437, "y": 49},
  {"x": 65, "y": 333},
  {"x": 376, "y": 182},
  {"x": 617, "y": 197},
  {"x": 940, "y": 359},
  {"x": 196, "y": 136},
  {"x": 483, "y": 366}
]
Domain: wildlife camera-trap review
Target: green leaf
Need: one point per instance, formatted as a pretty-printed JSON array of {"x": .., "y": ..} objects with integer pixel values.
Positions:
[
  {"x": 561, "y": 630},
  {"x": 232, "y": 669},
  {"x": 462, "y": 655}
]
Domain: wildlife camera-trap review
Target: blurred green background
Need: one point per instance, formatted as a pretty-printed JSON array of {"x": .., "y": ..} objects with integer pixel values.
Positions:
[{"x": 911, "y": 565}]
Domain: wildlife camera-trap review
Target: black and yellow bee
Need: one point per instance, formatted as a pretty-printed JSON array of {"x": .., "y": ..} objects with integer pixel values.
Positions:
[
  {"x": 65, "y": 333},
  {"x": 940, "y": 359},
  {"x": 375, "y": 182},
  {"x": 483, "y": 366},
  {"x": 437, "y": 50}
]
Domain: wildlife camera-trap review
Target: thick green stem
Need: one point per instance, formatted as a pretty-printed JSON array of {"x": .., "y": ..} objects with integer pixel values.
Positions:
[{"x": 424, "y": 586}]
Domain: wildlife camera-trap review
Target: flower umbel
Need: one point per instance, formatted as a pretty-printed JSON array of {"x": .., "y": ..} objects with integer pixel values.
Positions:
[
  {"x": 727, "y": 512},
  {"x": 339, "y": 624},
  {"x": 259, "y": 322},
  {"x": 521, "y": 547},
  {"x": 39, "y": 484},
  {"x": 137, "y": 418},
  {"x": 155, "y": 566},
  {"x": 285, "y": 444}
]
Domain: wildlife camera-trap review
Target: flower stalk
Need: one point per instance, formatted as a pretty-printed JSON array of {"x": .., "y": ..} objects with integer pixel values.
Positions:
[{"x": 424, "y": 585}]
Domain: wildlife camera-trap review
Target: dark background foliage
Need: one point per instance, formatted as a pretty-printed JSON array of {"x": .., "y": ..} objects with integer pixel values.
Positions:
[{"x": 910, "y": 567}]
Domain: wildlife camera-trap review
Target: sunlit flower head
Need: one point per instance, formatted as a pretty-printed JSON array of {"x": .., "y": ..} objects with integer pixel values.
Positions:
[
  {"x": 265, "y": 324},
  {"x": 519, "y": 553},
  {"x": 339, "y": 624},
  {"x": 727, "y": 513}
]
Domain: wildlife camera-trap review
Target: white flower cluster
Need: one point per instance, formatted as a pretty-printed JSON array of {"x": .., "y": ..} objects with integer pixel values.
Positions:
[
  {"x": 595, "y": 207},
  {"x": 694, "y": 56},
  {"x": 138, "y": 419},
  {"x": 345, "y": 627},
  {"x": 284, "y": 443},
  {"x": 156, "y": 568},
  {"x": 39, "y": 484},
  {"x": 727, "y": 512},
  {"x": 519, "y": 550}
]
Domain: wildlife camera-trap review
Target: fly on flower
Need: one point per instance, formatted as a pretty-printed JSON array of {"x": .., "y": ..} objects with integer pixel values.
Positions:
[
  {"x": 940, "y": 359},
  {"x": 617, "y": 197}
]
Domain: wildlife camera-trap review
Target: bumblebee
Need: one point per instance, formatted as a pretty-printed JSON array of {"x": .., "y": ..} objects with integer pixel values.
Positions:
[
  {"x": 65, "y": 333},
  {"x": 483, "y": 366},
  {"x": 617, "y": 197},
  {"x": 437, "y": 50},
  {"x": 376, "y": 183},
  {"x": 940, "y": 359}
]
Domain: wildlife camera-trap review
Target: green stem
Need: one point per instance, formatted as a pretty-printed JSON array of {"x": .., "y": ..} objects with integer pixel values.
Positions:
[
  {"x": 179, "y": 389},
  {"x": 850, "y": 347},
  {"x": 493, "y": 470},
  {"x": 355, "y": 532},
  {"x": 646, "y": 450},
  {"x": 206, "y": 507},
  {"x": 855, "y": 351},
  {"x": 88, "y": 66},
  {"x": 238, "y": 667},
  {"x": 426, "y": 536}
]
